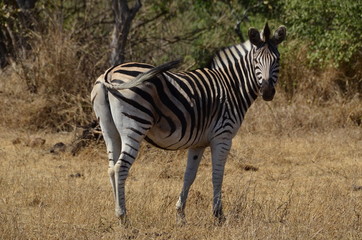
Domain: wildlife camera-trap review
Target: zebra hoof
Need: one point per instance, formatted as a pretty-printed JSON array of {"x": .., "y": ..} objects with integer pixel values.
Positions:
[
  {"x": 123, "y": 221},
  {"x": 121, "y": 215},
  {"x": 220, "y": 220},
  {"x": 180, "y": 219}
]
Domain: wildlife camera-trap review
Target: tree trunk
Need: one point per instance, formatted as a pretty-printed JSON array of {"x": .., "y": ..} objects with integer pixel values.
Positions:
[
  {"x": 26, "y": 4},
  {"x": 123, "y": 16},
  {"x": 13, "y": 41}
]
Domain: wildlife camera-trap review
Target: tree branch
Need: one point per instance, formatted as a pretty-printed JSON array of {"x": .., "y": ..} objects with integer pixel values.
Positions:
[
  {"x": 147, "y": 21},
  {"x": 244, "y": 18}
]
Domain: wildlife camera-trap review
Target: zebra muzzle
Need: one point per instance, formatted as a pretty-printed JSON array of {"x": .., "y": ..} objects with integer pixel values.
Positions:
[{"x": 267, "y": 90}]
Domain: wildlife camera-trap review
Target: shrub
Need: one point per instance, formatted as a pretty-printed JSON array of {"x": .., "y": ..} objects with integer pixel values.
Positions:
[{"x": 331, "y": 28}]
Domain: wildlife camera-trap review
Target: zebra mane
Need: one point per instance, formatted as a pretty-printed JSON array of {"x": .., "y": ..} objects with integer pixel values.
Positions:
[{"x": 239, "y": 51}]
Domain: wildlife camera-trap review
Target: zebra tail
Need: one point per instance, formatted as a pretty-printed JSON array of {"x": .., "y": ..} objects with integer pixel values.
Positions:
[{"x": 144, "y": 76}]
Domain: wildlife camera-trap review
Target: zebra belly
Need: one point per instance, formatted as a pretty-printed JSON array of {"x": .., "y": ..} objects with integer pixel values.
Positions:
[{"x": 161, "y": 136}]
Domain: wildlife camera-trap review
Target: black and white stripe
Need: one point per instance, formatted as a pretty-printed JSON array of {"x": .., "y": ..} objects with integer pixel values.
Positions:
[{"x": 184, "y": 110}]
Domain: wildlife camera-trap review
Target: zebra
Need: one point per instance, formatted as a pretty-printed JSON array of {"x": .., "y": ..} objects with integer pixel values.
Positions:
[{"x": 184, "y": 110}]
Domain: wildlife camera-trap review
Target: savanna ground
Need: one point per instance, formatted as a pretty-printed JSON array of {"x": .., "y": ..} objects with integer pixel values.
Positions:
[{"x": 294, "y": 172}]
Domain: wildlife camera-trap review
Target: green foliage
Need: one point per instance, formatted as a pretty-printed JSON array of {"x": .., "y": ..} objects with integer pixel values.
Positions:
[
  {"x": 7, "y": 14},
  {"x": 332, "y": 28},
  {"x": 269, "y": 9},
  {"x": 193, "y": 31}
]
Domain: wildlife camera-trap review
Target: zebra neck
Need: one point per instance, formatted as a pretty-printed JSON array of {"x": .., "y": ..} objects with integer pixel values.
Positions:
[
  {"x": 235, "y": 66},
  {"x": 247, "y": 76},
  {"x": 236, "y": 62}
]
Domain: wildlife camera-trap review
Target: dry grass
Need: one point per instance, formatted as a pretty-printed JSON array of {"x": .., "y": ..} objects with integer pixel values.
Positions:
[
  {"x": 53, "y": 82},
  {"x": 293, "y": 182}
]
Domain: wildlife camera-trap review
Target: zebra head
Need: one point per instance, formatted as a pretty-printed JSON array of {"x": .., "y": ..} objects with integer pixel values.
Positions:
[{"x": 266, "y": 58}]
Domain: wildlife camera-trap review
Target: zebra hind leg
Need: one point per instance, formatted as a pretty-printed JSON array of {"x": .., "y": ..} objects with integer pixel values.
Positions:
[
  {"x": 193, "y": 162},
  {"x": 113, "y": 149},
  {"x": 110, "y": 134},
  {"x": 130, "y": 147}
]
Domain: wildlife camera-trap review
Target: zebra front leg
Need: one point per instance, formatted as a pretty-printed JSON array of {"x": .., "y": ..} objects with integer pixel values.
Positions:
[
  {"x": 193, "y": 162},
  {"x": 129, "y": 153},
  {"x": 219, "y": 151}
]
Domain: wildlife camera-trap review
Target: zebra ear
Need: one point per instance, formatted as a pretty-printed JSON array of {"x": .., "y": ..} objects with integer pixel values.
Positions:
[
  {"x": 279, "y": 35},
  {"x": 266, "y": 33},
  {"x": 254, "y": 37}
]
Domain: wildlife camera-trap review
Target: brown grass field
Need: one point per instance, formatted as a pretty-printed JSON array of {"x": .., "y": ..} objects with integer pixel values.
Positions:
[{"x": 294, "y": 172}]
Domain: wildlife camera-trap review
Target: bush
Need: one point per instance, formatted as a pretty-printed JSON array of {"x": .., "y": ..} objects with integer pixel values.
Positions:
[
  {"x": 56, "y": 75},
  {"x": 332, "y": 29},
  {"x": 67, "y": 53}
]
